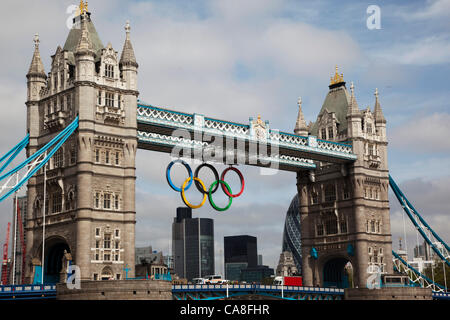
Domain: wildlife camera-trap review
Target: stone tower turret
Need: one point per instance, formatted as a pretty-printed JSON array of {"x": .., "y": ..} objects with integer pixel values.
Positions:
[
  {"x": 344, "y": 208},
  {"x": 90, "y": 197}
]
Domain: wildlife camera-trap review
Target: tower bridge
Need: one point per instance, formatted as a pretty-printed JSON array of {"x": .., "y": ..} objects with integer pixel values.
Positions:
[{"x": 89, "y": 178}]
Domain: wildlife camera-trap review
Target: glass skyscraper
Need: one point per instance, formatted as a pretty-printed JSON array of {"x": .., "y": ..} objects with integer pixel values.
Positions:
[
  {"x": 291, "y": 233},
  {"x": 192, "y": 245}
]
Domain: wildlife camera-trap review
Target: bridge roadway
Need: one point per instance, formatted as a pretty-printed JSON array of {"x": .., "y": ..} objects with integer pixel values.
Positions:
[{"x": 204, "y": 292}]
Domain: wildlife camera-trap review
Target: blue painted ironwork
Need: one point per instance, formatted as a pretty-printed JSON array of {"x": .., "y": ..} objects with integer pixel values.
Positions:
[
  {"x": 420, "y": 224},
  {"x": 155, "y": 126},
  {"x": 419, "y": 275},
  {"x": 27, "y": 292},
  {"x": 55, "y": 144},
  {"x": 215, "y": 292},
  {"x": 14, "y": 151}
]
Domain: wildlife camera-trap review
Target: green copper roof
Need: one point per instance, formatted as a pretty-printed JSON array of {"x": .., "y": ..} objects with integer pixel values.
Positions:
[
  {"x": 74, "y": 37},
  {"x": 337, "y": 101}
]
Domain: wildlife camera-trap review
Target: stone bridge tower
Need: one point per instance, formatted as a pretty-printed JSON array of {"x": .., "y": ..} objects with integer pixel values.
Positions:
[
  {"x": 344, "y": 209},
  {"x": 90, "y": 184}
]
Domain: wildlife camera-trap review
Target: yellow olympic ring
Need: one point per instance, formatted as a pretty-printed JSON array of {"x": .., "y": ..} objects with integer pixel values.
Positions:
[{"x": 184, "y": 197}]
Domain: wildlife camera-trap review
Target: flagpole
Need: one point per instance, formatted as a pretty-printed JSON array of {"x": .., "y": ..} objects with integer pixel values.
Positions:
[
  {"x": 15, "y": 237},
  {"x": 43, "y": 221}
]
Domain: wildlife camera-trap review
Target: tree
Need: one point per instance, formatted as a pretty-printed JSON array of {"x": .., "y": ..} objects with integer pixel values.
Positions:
[{"x": 438, "y": 272}]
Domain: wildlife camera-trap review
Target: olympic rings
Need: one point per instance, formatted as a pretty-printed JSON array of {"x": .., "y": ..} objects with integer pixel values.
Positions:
[
  {"x": 188, "y": 168},
  {"x": 183, "y": 197},
  {"x": 216, "y": 176},
  {"x": 216, "y": 183},
  {"x": 201, "y": 186},
  {"x": 241, "y": 177}
]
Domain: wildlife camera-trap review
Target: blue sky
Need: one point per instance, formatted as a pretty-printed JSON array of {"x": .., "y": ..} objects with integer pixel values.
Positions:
[{"x": 235, "y": 59}]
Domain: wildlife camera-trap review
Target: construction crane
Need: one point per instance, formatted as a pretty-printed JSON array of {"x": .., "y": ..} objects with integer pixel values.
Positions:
[
  {"x": 5, "y": 257},
  {"x": 22, "y": 242}
]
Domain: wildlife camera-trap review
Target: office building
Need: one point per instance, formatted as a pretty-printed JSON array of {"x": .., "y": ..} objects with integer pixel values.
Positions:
[
  {"x": 240, "y": 253},
  {"x": 192, "y": 245}
]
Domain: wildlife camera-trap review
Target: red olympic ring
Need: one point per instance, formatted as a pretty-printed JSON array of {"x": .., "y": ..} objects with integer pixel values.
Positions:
[{"x": 241, "y": 177}]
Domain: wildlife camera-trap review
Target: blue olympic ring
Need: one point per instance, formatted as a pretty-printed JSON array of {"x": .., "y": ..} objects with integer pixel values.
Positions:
[{"x": 188, "y": 168}]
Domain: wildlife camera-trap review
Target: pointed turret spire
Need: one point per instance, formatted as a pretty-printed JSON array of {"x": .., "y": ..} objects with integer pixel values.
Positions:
[
  {"x": 353, "y": 105},
  {"x": 36, "y": 67},
  {"x": 300, "y": 126},
  {"x": 84, "y": 44},
  {"x": 128, "y": 57},
  {"x": 378, "y": 113}
]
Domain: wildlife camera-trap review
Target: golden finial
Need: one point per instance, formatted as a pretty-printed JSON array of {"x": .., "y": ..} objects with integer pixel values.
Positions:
[
  {"x": 259, "y": 121},
  {"x": 337, "y": 78},
  {"x": 83, "y": 7}
]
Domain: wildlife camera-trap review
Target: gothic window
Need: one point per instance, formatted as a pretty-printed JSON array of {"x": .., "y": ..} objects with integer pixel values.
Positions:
[
  {"x": 314, "y": 197},
  {"x": 61, "y": 103},
  {"x": 107, "y": 257},
  {"x": 362, "y": 124},
  {"x": 109, "y": 99},
  {"x": 107, "y": 157},
  {"x": 330, "y": 193},
  {"x": 319, "y": 228},
  {"x": 55, "y": 81},
  {"x": 107, "y": 241},
  {"x": 99, "y": 101},
  {"x": 49, "y": 108},
  {"x": 370, "y": 250},
  {"x": 367, "y": 226},
  {"x": 97, "y": 155},
  {"x": 116, "y": 245},
  {"x": 324, "y": 134},
  {"x": 331, "y": 224},
  {"x": 119, "y": 99},
  {"x": 109, "y": 71},
  {"x": 69, "y": 102},
  {"x": 377, "y": 227},
  {"x": 117, "y": 233},
  {"x": 116, "y": 203},
  {"x": 372, "y": 226},
  {"x": 369, "y": 128},
  {"x": 343, "y": 225},
  {"x": 97, "y": 257},
  {"x": 330, "y": 133},
  {"x": 97, "y": 200},
  {"x": 97, "y": 244},
  {"x": 62, "y": 79},
  {"x": 370, "y": 194},
  {"x": 117, "y": 158},
  {"x": 56, "y": 202},
  {"x": 107, "y": 201},
  {"x": 97, "y": 231},
  {"x": 73, "y": 154},
  {"x": 117, "y": 259},
  {"x": 58, "y": 158},
  {"x": 371, "y": 149},
  {"x": 71, "y": 72}
]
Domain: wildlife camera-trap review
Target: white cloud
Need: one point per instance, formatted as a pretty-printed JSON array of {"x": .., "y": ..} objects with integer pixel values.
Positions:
[
  {"x": 427, "y": 51},
  {"x": 435, "y": 9},
  {"x": 423, "y": 134}
]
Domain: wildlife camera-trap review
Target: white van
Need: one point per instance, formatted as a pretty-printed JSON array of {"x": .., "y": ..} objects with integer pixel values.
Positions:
[
  {"x": 198, "y": 281},
  {"x": 214, "y": 279}
]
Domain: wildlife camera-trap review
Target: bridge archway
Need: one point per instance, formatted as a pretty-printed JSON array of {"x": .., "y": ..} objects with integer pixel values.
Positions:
[
  {"x": 337, "y": 273},
  {"x": 54, "y": 253},
  {"x": 106, "y": 274}
]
